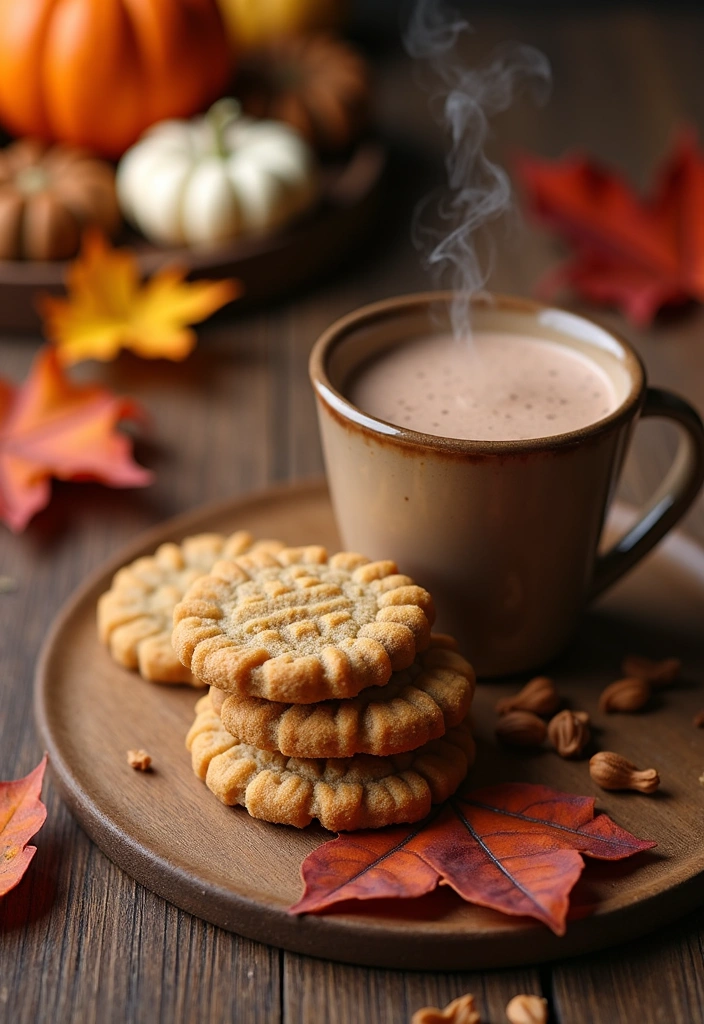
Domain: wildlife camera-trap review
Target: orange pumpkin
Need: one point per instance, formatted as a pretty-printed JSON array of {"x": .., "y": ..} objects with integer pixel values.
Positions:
[{"x": 96, "y": 73}]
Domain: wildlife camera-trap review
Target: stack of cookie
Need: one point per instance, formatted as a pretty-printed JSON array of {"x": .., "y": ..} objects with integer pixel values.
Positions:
[{"x": 329, "y": 698}]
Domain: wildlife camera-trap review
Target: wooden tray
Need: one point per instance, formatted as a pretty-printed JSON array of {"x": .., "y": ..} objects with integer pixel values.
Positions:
[
  {"x": 269, "y": 267},
  {"x": 168, "y": 832}
]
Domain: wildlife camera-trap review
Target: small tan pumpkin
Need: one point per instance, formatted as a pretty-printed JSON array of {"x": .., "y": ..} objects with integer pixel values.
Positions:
[{"x": 48, "y": 195}]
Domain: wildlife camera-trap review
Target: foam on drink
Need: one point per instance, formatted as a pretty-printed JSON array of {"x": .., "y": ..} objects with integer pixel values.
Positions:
[{"x": 501, "y": 387}]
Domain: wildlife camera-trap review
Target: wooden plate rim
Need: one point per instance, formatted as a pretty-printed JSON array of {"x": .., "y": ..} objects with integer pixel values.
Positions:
[{"x": 345, "y": 937}]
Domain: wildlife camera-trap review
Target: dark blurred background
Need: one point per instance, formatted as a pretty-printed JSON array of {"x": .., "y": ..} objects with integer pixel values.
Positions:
[{"x": 383, "y": 17}]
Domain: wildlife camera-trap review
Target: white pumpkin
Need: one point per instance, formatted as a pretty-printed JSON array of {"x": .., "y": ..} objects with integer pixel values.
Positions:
[{"x": 208, "y": 180}]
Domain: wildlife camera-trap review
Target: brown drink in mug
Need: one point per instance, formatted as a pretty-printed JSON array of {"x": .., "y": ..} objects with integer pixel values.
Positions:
[{"x": 485, "y": 466}]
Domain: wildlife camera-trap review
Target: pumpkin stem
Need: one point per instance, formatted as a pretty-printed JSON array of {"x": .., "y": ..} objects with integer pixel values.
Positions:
[{"x": 220, "y": 115}]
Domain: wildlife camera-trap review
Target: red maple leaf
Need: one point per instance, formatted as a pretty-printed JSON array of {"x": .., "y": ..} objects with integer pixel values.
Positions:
[
  {"x": 635, "y": 253},
  {"x": 22, "y": 814},
  {"x": 51, "y": 427},
  {"x": 516, "y": 848}
]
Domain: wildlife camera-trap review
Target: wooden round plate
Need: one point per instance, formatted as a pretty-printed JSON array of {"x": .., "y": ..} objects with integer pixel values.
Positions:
[
  {"x": 167, "y": 831},
  {"x": 268, "y": 267}
]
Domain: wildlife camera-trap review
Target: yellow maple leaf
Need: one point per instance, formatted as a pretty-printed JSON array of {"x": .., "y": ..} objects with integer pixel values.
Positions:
[{"x": 109, "y": 308}]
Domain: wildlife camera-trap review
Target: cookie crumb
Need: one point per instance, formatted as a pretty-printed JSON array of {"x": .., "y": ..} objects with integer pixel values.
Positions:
[{"x": 140, "y": 760}]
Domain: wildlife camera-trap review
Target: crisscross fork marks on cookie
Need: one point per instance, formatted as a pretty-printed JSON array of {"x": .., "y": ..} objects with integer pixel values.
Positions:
[
  {"x": 298, "y": 627},
  {"x": 135, "y": 617}
]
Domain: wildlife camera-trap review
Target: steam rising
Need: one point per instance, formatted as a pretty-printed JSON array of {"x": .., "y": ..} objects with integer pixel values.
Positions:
[{"x": 479, "y": 190}]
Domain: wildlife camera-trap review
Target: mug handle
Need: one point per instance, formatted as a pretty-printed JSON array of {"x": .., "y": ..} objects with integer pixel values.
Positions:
[{"x": 672, "y": 498}]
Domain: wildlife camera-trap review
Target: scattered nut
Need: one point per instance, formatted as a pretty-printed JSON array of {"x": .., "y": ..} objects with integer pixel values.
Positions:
[
  {"x": 611, "y": 771},
  {"x": 527, "y": 1010},
  {"x": 701, "y": 779},
  {"x": 657, "y": 673},
  {"x": 140, "y": 760},
  {"x": 625, "y": 695},
  {"x": 698, "y": 720},
  {"x": 521, "y": 729},
  {"x": 569, "y": 732},
  {"x": 459, "y": 1011},
  {"x": 538, "y": 696}
]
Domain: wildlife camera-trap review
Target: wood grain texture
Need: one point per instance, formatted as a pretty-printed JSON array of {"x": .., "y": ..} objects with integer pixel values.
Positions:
[
  {"x": 312, "y": 987},
  {"x": 239, "y": 415},
  {"x": 659, "y": 978}
]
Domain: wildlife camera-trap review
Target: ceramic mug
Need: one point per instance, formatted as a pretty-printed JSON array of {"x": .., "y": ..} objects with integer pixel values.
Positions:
[{"x": 504, "y": 534}]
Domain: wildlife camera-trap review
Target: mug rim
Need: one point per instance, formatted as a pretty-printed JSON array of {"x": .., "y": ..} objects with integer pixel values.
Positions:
[{"x": 385, "y": 429}]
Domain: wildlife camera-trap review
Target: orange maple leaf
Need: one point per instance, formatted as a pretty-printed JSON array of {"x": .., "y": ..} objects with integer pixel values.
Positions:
[
  {"x": 516, "y": 848},
  {"x": 22, "y": 814},
  {"x": 51, "y": 427},
  {"x": 636, "y": 253},
  {"x": 109, "y": 308}
]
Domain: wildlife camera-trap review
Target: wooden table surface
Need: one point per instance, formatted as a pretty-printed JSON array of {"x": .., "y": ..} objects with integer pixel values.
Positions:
[{"x": 79, "y": 940}]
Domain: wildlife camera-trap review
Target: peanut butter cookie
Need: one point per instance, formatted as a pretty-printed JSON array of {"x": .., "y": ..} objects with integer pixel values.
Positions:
[
  {"x": 135, "y": 617},
  {"x": 296, "y": 626},
  {"x": 344, "y": 794},
  {"x": 418, "y": 704}
]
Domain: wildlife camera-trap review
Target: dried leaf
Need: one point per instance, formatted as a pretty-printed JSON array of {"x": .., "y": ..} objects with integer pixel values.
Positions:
[
  {"x": 51, "y": 427},
  {"x": 516, "y": 848},
  {"x": 635, "y": 253},
  {"x": 22, "y": 814},
  {"x": 108, "y": 307},
  {"x": 366, "y": 865}
]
